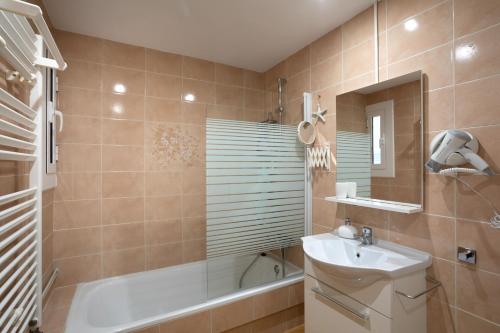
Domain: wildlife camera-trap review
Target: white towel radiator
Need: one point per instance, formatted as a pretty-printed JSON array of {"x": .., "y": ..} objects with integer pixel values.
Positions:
[{"x": 21, "y": 140}]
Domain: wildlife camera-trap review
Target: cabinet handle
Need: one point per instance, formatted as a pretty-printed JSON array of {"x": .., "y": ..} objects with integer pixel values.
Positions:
[{"x": 360, "y": 315}]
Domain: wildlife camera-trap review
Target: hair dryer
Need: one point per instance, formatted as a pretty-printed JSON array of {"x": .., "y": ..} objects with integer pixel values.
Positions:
[{"x": 453, "y": 148}]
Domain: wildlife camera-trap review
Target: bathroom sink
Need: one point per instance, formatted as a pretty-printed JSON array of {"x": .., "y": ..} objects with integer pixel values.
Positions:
[{"x": 363, "y": 264}]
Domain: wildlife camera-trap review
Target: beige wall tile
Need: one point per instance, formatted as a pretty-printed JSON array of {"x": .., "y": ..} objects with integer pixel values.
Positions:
[
  {"x": 358, "y": 60},
  {"x": 163, "y": 208},
  {"x": 117, "y": 106},
  {"x": 444, "y": 272},
  {"x": 194, "y": 228},
  {"x": 122, "y": 80},
  {"x": 469, "y": 205},
  {"x": 123, "y": 262},
  {"x": 160, "y": 232},
  {"x": 204, "y": 92},
  {"x": 61, "y": 297},
  {"x": 323, "y": 212},
  {"x": 193, "y": 180},
  {"x": 122, "y": 210},
  {"x": 438, "y": 109},
  {"x": 199, "y": 69},
  {"x": 435, "y": 64},
  {"x": 81, "y": 130},
  {"x": 434, "y": 28},
  {"x": 399, "y": 10},
  {"x": 122, "y": 132},
  {"x": 232, "y": 315},
  {"x": 76, "y": 214},
  {"x": 78, "y": 269},
  {"x": 199, "y": 323},
  {"x": 193, "y": 205},
  {"x": 163, "y": 184},
  {"x": 326, "y": 73},
  {"x": 122, "y": 158},
  {"x": 163, "y": 62},
  {"x": 439, "y": 195},
  {"x": 164, "y": 255},
  {"x": 153, "y": 329},
  {"x": 254, "y": 80},
  {"x": 122, "y": 184},
  {"x": 270, "y": 302},
  {"x": 327, "y": 46},
  {"x": 80, "y": 102},
  {"x": 296, "y": 294},
  {"x": 228, "y": 75},
  {"x": 428, "y": 233},
  {"x": 478, "y": 236},
  {"x": 471, "y": 16},
  {"x": 478, "y": 293},
  {"x": 476, "y": 103},
  {"x": 81, "y": 74},
  {"x": 254, "y": 99},
  {"x": 163, "y": 86},
  {"x": 440, "y": 317},
  {"x": 194, "y": 250},
  {"x": 77, "y": 186},
  {"x": 123, "y": 55},
  {"x": 80, "y": 47},
  {"x": 298, "y": 84},
  {"x": 194, "y": 113},
  {"x": 297, "y": 62},
  {"x": 163, "y": 110},
  {"x": 358, "y": 29},
  {"x": 79, "y": 158},
  {"x": 76, "y": 242},
  {"x": 229, "y": 95},
  {"x": 483, "y": 61},
  {"x": 469, "y": 323},
  {"x": 122, "y": 236}
]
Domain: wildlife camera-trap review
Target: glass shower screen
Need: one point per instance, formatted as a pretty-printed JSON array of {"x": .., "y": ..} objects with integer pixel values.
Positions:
[{"x": 255, "y": 178}]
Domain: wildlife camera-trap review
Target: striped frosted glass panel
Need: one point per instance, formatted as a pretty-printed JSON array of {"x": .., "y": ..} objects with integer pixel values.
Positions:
[
  {"x": 354, "y": 160},
  {"x": 255, "y": 187}
]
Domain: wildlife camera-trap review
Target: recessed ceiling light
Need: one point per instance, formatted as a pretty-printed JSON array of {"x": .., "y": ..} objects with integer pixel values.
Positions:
[
  {"x": 411, "y": 25},
  {"x": 465, "y": 52},
  {"x": 119, "y": 88},
  {"x": 189, "y": 97}
]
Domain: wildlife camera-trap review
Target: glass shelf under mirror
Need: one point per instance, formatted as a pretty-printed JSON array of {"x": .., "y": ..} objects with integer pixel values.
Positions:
[{"x": 393, "y": 206}]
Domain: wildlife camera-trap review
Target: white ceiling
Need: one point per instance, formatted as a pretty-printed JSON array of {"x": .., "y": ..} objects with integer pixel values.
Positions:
[{"x": 252, "y": 34}]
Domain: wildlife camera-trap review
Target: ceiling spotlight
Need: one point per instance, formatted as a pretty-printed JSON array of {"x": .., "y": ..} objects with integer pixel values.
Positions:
[{"x": 411, "y": 25}]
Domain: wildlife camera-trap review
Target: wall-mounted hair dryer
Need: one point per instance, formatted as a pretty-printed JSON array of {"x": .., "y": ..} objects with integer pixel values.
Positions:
[{"x": 454, "y": 148}]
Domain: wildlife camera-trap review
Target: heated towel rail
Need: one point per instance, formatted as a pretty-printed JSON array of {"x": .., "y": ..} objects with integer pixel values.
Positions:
[{"x": 21, "y": 128}]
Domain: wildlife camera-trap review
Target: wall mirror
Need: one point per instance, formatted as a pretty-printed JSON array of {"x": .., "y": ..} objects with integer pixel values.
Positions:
[{"x": 379, "y": 145}]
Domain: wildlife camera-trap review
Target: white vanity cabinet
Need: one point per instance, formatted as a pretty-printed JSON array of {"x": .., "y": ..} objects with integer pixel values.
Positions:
[{"x": 335, "y": 304}]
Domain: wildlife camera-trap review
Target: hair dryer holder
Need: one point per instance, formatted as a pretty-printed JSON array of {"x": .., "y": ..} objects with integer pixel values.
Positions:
[{"x": 455, "y": 159}]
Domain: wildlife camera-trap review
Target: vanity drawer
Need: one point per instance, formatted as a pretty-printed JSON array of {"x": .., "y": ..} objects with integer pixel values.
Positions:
[
  {"x": 327, "y": 310},
  {"x": 376, "y": 295}
]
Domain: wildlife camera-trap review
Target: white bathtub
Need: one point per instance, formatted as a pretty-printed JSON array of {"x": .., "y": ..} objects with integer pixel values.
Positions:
[{"x": 134, "y": 301}]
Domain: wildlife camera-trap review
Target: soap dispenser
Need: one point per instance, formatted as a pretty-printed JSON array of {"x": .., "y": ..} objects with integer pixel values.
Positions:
[{"x": 347, "y": 230}]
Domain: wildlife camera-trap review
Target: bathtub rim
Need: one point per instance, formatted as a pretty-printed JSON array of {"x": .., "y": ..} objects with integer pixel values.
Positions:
[{"x": 159, "y": 319}]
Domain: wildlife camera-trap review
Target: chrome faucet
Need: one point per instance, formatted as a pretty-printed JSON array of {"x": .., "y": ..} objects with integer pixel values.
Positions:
[{"x": 366, "y": 236}]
